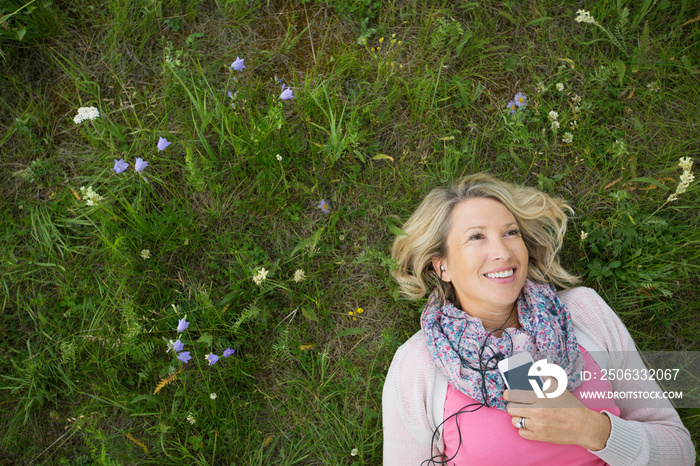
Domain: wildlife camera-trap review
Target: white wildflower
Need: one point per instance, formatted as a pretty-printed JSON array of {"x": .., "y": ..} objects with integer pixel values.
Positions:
[
  {"x": 686, "y": 163},
  {"x": 354, "y": 452},
  {"x": 299, "y": 276},
  {"x": 653, "y": 86},
  {"x": 191, "y": 419},
  {"x": 619, "y": 149},
  {"x": 212, "y": 396},
  {"x": 260, "y": 276},
  {"x": 86, "y": 113},
  {"x": 573, "y": 124},
  {"x": 89, "y": 196},
  {"x": 555, "y": 126},
  {"x": 279, "y": 158},
  {"x": 687, "y": 177},
  {"x": 145, "y": 254},
  {"x": 584, "y": 235},
  {"x": 553, "y": 115},
  {"x": 577, "y": 109},
  {"x": 568, "y": 138},
  {"x": 560, "y": 87},
  {"x": 582, "y": 16},
  {"x": 576, "y": 98},
  {"x": 539, "y": 87}
]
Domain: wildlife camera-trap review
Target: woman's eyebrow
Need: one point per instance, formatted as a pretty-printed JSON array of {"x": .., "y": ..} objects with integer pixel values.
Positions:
[{"x": 482, "y": 227}]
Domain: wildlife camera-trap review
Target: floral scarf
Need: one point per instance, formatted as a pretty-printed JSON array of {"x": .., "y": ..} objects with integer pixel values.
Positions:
[{"x": 455, "y": 341}]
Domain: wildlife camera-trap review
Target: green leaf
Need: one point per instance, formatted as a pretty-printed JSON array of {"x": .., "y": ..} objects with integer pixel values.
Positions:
[
  {"x": 311, "y": 241},
  {"x": 206, "y": 338},
  {"x": 149, "y": 398},
  {"x": 309, "y": 313},
  {"x": 517, "y": 159},
  {"x": 351, "y": 331},
  {"x": 477, "y": 92},
  {"x": 621, "y": 68},
  {"x": 509, "y": 17},
  {"x": 196, "y": 442},
  {"x": 688, "y": 64},
  {"x": 537, "y": 21},
  {"x": 193, "y": 37},
  {"x": 648, "y": 179},
  {"x": 394, "y": 229}
]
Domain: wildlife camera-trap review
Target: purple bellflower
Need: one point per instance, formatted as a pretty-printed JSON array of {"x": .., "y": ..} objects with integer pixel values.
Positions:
[
  {"x": 212, "y": 358},
  {"x": 286, "y": 94},
  {"x": 119, "y": 166},
  {"x": 163, "y": 143},
  {"x": 182, "y": 325},
  {"x": 228, "y": 352},
  {"x": 178, "y": 346},
  {"x": 184, "y": 356},
  {"x": 140, "y": 164},
  {"x": 238, "y": 64}
]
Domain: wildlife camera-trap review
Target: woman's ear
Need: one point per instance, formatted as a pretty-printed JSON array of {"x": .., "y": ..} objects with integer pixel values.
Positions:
[{"x": 441, "y": 270}]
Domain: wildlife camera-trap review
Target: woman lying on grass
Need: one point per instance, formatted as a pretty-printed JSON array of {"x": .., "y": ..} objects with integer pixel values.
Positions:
[{"x": 489, "y": 250}]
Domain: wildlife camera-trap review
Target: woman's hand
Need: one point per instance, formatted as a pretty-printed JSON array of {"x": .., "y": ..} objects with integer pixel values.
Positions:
[{"x": 563, "y": 420}]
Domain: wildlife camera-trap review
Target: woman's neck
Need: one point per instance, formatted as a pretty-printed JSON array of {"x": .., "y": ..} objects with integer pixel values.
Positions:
[
  {"x": 497, "y": 323},
  {"x": 497, "y": 328},
  {"x": 494, "y": 322}
]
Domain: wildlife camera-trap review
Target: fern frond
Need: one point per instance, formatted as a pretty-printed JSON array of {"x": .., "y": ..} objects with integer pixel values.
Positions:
[
  {"x": 250, "y": 312},
  {"x": 281, "y": 348},
  {"x": 165, "y": 382},
  {"x": 196, "y": 177}
]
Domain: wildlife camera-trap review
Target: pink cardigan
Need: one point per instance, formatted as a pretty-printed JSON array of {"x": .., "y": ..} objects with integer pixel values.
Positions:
[{"x": 414, "y": 393}]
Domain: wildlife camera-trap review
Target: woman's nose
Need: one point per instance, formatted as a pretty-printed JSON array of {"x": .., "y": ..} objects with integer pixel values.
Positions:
[{"x": 499, "y": 250}]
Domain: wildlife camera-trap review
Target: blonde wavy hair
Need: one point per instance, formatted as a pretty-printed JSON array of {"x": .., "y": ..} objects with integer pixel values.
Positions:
[{"x": 541, "y": 219}]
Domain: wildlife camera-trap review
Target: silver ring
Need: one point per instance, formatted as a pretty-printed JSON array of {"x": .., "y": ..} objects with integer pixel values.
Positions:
[{"x": 521, "y": 423}]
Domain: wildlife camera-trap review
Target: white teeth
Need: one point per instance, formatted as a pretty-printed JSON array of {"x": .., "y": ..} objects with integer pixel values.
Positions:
[{"x": 504, "y": 274}]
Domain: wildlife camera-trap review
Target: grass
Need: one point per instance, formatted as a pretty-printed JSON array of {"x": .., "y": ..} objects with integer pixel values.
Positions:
[{"x": 391, "y": 100}]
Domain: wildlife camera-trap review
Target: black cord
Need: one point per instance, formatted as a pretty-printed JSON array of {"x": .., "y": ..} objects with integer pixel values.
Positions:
[
  {"x": 465, "y": 409},
  {"x": 470, "y": 408}
]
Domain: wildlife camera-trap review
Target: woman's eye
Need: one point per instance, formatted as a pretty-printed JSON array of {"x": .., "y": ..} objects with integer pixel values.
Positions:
[
  {"x": 476, "y": 236},
  {"x": 513, "y": 233}
]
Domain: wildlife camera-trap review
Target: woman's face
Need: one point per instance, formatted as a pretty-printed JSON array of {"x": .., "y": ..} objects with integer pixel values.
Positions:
[{"x": 486, "y": 257}]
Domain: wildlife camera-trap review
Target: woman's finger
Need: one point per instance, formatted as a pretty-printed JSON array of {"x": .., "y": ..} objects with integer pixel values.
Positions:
[{"x": 520, "y": 396}]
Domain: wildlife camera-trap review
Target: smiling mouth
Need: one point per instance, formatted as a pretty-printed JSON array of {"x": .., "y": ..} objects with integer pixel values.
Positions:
[{"x": 503, "y": 274}]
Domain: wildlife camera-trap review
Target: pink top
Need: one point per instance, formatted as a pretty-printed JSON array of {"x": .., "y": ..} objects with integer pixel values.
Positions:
[{"x": 487, "y": 430}]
